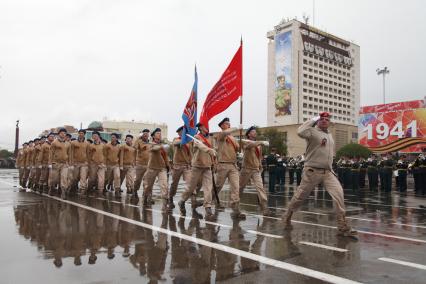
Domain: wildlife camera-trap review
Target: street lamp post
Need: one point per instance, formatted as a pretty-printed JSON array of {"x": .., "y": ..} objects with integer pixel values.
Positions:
[{"x": 383, "y": 72}]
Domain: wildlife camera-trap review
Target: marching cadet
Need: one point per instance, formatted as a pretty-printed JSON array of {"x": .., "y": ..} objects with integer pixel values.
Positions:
[
  {"x": 37, "y": 162},
  {"x": 27, "y": 166},
  {"x": 227, "y": 149},
  {"x": 33, "y": 168},
  {"x": 142, "y": 156},
  {"x": 112, "y": 156},
  {"x": 79, "y": 162},
  {"x": 201, "y": 172},
  {"x": 58, "y": 164},
  {"x": 252, "y": 167},
  {"x": 181, "y": 165},
  {"x": 127, "y": 165},
  {"x": 96, "y": 163},
  {"x": 402, "y": 168},
  {"x": 45, "y": 152},
  {"x": 158, "y": 166},
  {"x": 355, "y": 169},
  {"x": 271, "y": 163},
  {"x": 372, "y": 172},
  {"x": 20, "y": 163},
  {"x": 318, "y": 169}
]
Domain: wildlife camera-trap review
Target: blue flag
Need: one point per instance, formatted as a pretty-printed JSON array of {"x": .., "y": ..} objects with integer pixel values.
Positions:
[{"x": 189, "y": 115}]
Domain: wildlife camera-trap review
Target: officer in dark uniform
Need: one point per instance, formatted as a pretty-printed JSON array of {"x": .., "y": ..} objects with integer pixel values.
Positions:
[
  {"x": 291, "y": 168},
  {"x": 271, "y": 163},
  {"x": 280, "y": 171},
  {"x": 380, "y": 166},
  {"x": 355, "y": 169},
  {"x": 340, "y": 165},
  {"x": 299, "y": 169},
  {"x": 402, "y": 168},
  {"x": 373, "y": 172},
  {"x": 420, "y": 177},
  {"x": 347, "y": 174},
  {"x": 388, "y": 167},
  {"x": 362, "y": 172}
]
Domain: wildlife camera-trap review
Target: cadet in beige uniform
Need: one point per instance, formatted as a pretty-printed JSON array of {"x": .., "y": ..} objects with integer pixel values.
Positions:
[
  {"x": 33, "y": 169},
  {"x": 37, "y": 162},
  {"x": 201, "y": 171},
  {"x": 58, "y": 164},
  {"x": 79, "y": 162},
  {"x": 27, "y": 164},
  {"x": 20, "y": 163},
  {"x": 318, "y": 170},
  {"x": 227, "y": 149},
  {"x": 45, "y": 152},
  {"x": 112, "y": 155},
  {"x": 252, "y": 168},
  {"x": 181, "y": 165},
  {"x": 142, "y": 156},
  {"x": 127, "y": 165},
  {"x": 96, "y": 163},
  {"x": 158, "y": 165}
]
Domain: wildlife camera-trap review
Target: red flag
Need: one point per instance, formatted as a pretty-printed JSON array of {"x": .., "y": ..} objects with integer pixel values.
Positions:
[{"x": 226, "y": 91}]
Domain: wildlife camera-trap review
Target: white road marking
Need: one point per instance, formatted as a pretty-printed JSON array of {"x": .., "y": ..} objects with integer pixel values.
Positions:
[
  {"x": 405, "y": 263},
  {"x": 263, "y": 259},
  {"x": 253, "y": 205},
  {"x": 264, "y": 234},
  {"x": 407, "y": 225},
  {"x": 323, "y": 246}
]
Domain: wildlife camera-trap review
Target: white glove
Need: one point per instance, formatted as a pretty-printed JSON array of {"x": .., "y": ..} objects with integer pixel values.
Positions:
[
  {"x": 240, "y": 126},
  {"x": 40, "y": 167},
  {"x": 265, "y": 143},
  {"x": 316, "y": 118},
  {"x": 212, "y": 152},
  {"x": 121, "y": 168},
  {"x": 71, "y": 168},
  {"x": 166, "y": 147},
  {"x": 49, "y": 166}
]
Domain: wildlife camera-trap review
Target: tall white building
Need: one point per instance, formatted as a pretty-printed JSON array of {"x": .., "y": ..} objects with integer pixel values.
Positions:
[{"x": 311, "y": 71}]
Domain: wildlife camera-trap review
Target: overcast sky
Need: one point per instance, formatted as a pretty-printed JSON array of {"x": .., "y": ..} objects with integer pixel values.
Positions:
[{"x": 66, "y": 62}]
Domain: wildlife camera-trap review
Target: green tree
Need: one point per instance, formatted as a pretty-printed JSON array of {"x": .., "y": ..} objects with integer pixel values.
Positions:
[
  {"x": 276, "y": 139},
  {"x": 353, "y": 150},
  {"x": 5, "y": 154}
]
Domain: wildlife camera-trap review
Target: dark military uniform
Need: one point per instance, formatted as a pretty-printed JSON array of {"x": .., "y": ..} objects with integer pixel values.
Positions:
[
  {"x": 271, "y": 162},
  {"x": 291, "y": 169},
  {"x": 419, "y": 173},
  {"x": 340, "y": 164},
  {"x": 388, "y": 166},
  {"x": 281, "y": 169},
  {"x": 402, "y": 167},
  {"x": 362, "y": 173},
  {"x": 299, "y": 170},
  {"x": 355, "y": 169},
  {"x": 373, "y": 174},
  {"x": 347, "y": 175}
]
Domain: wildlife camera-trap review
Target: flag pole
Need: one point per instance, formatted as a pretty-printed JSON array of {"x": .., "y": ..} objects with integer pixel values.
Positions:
[{"x": 241, "y": 98}]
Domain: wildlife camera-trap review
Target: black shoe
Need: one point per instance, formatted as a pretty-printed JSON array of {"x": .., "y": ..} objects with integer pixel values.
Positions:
[
  {"x": 182, "y": 208},
  {"x": 197, "y": 215}
]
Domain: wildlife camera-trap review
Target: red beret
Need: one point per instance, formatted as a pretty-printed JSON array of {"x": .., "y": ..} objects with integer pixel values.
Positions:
[{"x": 325, "y": 114}]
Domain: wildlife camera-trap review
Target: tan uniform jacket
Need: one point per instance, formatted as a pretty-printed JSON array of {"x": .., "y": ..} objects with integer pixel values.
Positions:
[
  {"x": 200, "y": 156},
  {"x": 182, "y": 154},
  {"x": 29, "y": 159},
  {"x": 45, "y": 152},
  {"x": 59, "y": 152},
  {"x": 112, "y": 154},
  {"x": 96, "y": 153},
  {"x": 252, "y": 155},
  {"x": 142, "y": 152},
  {"x": 158, "y": 159},
  {"x": 79, "y": 152},
  {"x": 37, "y": 155},
  {"x": 227, "y": 147},
  {"x": 20, "y": 160},
  {"x": 127, "y": 155}
]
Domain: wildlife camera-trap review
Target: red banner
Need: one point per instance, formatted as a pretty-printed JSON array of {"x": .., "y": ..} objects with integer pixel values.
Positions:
[
  {"x": 226, "y": 91},
  {"x": 393, "y": 107}
]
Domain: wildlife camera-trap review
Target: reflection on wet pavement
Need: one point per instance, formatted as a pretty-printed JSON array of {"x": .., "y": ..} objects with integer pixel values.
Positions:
[{"x": 105, "y": 240}]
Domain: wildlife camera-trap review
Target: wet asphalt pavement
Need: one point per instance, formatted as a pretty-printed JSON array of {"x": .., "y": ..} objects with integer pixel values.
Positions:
[{"x": 105, "y": 240}]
